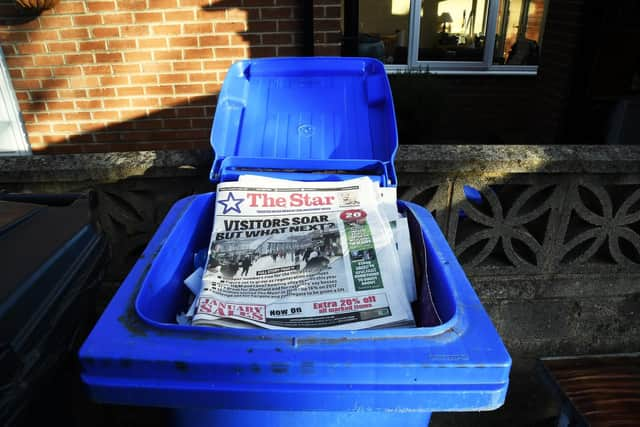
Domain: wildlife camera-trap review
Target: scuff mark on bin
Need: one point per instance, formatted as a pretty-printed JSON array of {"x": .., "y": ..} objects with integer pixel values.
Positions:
[
  {"x": 255, "y": 368},
  {"x": 181, "y": 366},
  {"x": 279, "y": 368},
  {"x": 342, "y": 340},
  {"x": 130, "y": 319}
]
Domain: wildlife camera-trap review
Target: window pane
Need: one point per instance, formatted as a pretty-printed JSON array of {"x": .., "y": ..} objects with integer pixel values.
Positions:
[
  {"x": 452, "y": 30},
  {"x": 519, "y": 32},
  {"x": 383, "y": 30}
]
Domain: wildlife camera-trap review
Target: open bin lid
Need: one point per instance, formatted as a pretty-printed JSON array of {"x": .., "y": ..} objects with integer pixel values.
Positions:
[{"x": 307, "y": 119}]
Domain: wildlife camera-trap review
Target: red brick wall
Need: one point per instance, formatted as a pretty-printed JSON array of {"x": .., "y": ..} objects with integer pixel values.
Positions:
[
  {"x": 120, "y": 75},
  {"x": 327, "y": 30}
]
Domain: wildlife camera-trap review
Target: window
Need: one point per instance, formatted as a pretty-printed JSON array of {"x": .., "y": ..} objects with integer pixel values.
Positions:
[
  {"x": 13, "y": 140},
  {"x": 448, "y": 36}
]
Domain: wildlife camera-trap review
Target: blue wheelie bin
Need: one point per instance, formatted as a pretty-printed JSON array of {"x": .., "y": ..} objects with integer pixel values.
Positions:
[{"x": 307, "y": 119}]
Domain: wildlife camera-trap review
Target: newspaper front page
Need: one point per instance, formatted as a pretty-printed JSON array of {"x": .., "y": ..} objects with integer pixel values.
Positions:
[{"x": 302, "y": 255}]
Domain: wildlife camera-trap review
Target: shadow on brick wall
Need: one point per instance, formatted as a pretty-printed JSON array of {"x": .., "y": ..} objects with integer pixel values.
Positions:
[
  {"x": 184, "y": 126},
  {"x": 268, "y": 32},
  {"x": 120, "y": 81},
  {"x": 149, "y": 97}
]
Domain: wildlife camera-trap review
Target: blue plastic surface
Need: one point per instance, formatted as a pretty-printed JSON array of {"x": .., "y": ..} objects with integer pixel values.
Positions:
[
  {"x": 191, "y": 417},
  {"x": 134, "y": 356},
  {"x": 306, "y": 119}
]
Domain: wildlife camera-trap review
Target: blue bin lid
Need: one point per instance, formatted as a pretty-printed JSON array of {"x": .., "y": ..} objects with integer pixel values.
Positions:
[{"x": 305, "y": 118}]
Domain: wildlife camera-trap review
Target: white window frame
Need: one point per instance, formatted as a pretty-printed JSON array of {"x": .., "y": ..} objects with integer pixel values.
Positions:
[
  {"x": 484, "y": 67},
  {"x": 13, "y": 137}
]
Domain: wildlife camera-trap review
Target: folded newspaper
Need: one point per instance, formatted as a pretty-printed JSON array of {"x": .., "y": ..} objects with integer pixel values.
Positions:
[{"x": 305, "y": 255}]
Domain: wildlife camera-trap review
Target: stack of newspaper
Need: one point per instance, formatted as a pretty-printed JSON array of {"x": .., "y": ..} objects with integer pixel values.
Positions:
[{"x": 305, "y": 255}]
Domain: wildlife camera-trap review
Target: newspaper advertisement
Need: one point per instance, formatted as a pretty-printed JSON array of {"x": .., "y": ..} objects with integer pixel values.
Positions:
[{"x": 302, "y": 255}]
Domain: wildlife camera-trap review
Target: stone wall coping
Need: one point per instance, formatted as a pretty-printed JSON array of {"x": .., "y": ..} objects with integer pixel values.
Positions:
[
  {"x": 436, "y": 159},
  {"x": 475, "y": 159},
  {"x": 104, "y": 167}
]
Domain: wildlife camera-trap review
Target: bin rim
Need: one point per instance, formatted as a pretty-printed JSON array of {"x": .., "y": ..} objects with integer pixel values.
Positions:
[
  {"x": 125, "y": 360},
  {"x": 308, "y": 336}
]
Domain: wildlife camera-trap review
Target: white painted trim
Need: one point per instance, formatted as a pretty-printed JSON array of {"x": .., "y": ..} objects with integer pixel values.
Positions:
[
  {"x": 465, "y": 68},
  {"x": 490, "y": 32},
  {"x": 490, "y": 72},
  {"x": 17, "y": 144},
  {"x": 414, "y": 31},
  {"x": 451, "y": 65}
]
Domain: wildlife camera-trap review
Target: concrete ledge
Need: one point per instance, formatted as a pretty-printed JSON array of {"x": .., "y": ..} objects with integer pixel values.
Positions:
[
  {"x": 103, "y": 167},
  {"x": 434, "y": 159},
  {"x": 481, "y": 159}
]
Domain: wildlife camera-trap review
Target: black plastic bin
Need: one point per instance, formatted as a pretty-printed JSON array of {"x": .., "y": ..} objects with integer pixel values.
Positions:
[{"x": 52, "y": 256}]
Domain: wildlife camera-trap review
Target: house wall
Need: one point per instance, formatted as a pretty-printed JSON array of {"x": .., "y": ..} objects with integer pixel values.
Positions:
[
  {"x": 327, "y": 27},
  {"x": 122, "y": 75}
]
